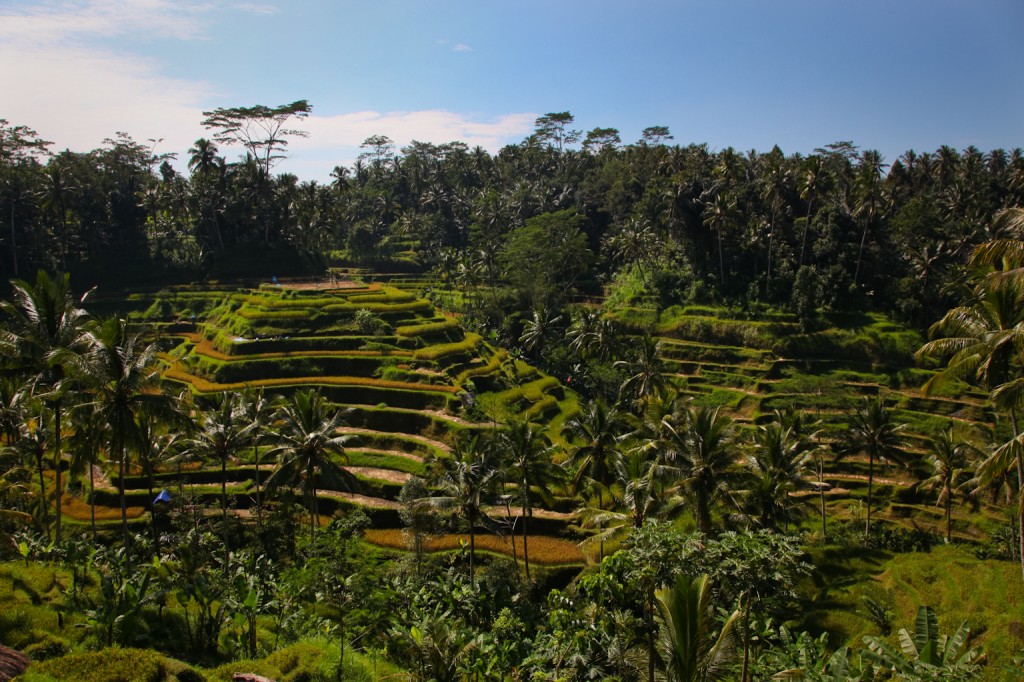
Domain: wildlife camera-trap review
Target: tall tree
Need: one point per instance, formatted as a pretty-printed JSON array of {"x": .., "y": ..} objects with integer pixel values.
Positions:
[
  {"x": 528, "y": 451},
  {"x": 223, "y": 430},
  {"x": 464, "y": 481},
  {"x": 121, "y": 372},
  {"x": 700, "y": 441},
  {"x": 309, "y": 448},
  {"x": 949, "y": 457},
  {"x": 874, "y": 433},
  {"x": 261, "y": 130},
  {"x": 45, "y": 326}
]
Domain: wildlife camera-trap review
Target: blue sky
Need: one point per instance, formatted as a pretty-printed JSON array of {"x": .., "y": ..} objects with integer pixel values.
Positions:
[{"x": 888, "y": 75}]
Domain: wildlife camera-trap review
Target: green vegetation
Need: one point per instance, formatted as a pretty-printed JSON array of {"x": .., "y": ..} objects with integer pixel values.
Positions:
[{"x": 566, "y": 427}]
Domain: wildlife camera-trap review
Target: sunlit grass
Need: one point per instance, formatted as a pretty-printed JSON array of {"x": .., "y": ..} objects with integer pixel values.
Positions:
[
  {"x": 544, "y": 549},
  {"x": 206, "y": 386}
]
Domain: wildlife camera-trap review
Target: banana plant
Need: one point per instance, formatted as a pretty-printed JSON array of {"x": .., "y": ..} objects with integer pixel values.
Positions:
[{"x": 926, "y": 655}]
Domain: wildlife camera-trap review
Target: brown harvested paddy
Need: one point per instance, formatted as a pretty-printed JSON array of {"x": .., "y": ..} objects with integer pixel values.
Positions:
[
  {"x": 544, "y": 549},
  {"x": 78, "y": 509}
]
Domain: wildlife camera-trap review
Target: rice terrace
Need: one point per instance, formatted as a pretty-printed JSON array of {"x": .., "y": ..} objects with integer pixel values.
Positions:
[{"x": 537, "y": 404}]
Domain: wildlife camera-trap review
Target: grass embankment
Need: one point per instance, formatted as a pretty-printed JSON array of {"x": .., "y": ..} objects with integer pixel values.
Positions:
[{"x": 854, "y": 591}]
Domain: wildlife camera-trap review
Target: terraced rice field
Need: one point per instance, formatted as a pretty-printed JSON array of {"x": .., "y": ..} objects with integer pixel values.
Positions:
[
  {"x": 407, "y": 376},
  {"x": 750, "y": 364}
]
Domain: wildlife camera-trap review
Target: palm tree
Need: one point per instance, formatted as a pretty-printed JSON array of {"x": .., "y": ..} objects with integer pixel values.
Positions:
[
  {"x": 258, "y": 410},
  {"x": 223, "y": 430},
  {"x": 981, "y": 341},
  {"x": 691, "y": 648},
  {"x": 812, "y": 181},
  {"x": 463, "y": 481},
  {"x": 720, "y": 214},
  {"x": 701, "y": 442},
  {"x": 309, "y": 447},
  {"x": 780, "y": 460},
  {"x": 45, "y": 325},
  {"x": 121, "y": 373},
  {"x": 644, "y": 369},
  {"x": 594, "y": 435},
  {"x": 29, "y": 448},
  {"x": 156, "y": 446},
  {"x": 949, "y": 455},
  {"x": 85, "y": 444},
  {"x": 202, "y": 157},
  {"x": 527, "y": 450},
  {"x": 874, "y": 432},
  {"x": 640, "y": 491}
]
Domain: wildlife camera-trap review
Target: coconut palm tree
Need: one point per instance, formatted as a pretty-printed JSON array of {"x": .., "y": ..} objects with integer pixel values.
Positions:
[
  {"x": 594, "y": 436},
  {"x": 527, "y": 450},
  {"x": 692, "y": 648},
  {"x": 156, "y": 445},
  {"x": 641, "y": 490},
  {"x": 85, "y": 445},
  {"x": 874, "y": 433},
  {"x": 701, "y": 442},
  {"x": 309, "y": 448},
  {"x": 223, "y": 430},
  {"x": 45, "y": 325},
  {"x": 981, "y": 341},
  {"x": 780, "y": 460},
  {"x": 121, "y": 373},
  {"x": 258, "y": 410},
  {"x": 949, "y": 458},
  {"x": 644, "y": 370},
  {"x": 719, "y": 215},
  {"x": 464, "y": 480}
]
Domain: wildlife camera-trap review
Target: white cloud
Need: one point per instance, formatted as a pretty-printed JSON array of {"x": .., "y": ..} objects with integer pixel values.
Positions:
[
  {"x": 51, "y": 22},
  {"x": 61, "y": 78},
  {"x": 77, "y": 97},
  {"x": 256, "y": 8},
  {"x": 437, "y": 126},
  {"x": 335, "y": 140},
  {"x": 461, "y": 47}
]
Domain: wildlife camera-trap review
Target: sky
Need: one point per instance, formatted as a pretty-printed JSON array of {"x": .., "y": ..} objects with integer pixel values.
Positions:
[{"x": 890, "y": 75}]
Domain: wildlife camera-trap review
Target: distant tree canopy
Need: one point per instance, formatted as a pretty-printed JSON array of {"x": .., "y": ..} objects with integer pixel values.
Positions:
[{"x": 840, "y": 227}]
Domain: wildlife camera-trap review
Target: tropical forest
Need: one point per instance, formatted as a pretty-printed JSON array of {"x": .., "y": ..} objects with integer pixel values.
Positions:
[{"x": 583, "y": 408}]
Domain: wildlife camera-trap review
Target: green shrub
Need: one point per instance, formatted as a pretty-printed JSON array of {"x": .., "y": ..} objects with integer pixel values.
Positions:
[{"x": 108, "y": 665}]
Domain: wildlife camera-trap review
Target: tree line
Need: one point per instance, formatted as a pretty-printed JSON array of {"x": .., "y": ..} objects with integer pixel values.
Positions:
[{"x": 839, "y": 227}]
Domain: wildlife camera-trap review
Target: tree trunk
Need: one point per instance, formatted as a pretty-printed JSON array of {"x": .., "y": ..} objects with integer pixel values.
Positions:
[
  {"x": 949, "y": 517},
  {"x": 860, "y": 254},
  {"x": 721, "y": 261},
  {"x": 807, "y": 226},
  {"x": 57, "y": 465},
  {"x": 259, "y": 506},
  {"x": 821, "y": 492},
  {"x": 526, "y": 546},
  {"x": 871, "y": 480},
  {"x": 42, "y": 493},
  {"x": 92, "y": 498},
  {"x": 123, "y": 472},
  {"x": 472, "y": 553},
  {"x": 224, "y": 490},
  {"x": 1020, "y": 491},
  {"x": 14, "y": 243}
]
